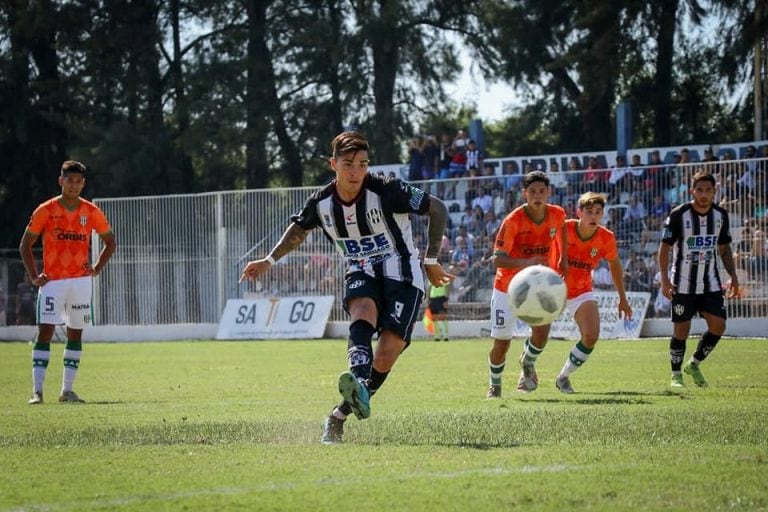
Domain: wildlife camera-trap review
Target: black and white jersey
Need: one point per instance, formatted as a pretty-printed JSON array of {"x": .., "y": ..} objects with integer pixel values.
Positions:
[
  {"x": 696, "y": 238},
  {"x": 373, "y": 232}
]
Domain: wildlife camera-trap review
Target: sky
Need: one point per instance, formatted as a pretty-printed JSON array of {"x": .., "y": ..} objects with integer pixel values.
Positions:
[{"x": 491, "y": 99}]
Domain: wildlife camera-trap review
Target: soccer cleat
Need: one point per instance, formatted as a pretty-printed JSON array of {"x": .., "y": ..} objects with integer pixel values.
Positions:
[
  {"x": 445, "y": 339},
  {"x": 70, "y": 397},
  {"x": 564, "y": 385},
  {"x": 528, "y": 380},
  {"x": 694, "y": 371},
  {"x": 356, "y": 394},
  {"x": 37, "y": 398},
  {"x": 333, "y": 430},
  {"x": 677, "y": 382},
  {"x": 494, "y": 391}
]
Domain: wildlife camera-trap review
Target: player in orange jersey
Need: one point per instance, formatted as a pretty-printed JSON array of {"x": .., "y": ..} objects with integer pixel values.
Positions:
[
  {"x": 588, "y": 243},
  {"x": 528, "y": 236},
  {"x": 65, "y": 223}
]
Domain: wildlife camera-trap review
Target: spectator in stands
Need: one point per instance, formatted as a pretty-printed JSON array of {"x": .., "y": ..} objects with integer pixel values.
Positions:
[
  {"x": 757, "y": 263},
  {"x": 596, "y": 178},
  {"x": 657, "y": 174},
  {"x": 636, "y": 273},
  {"x": 415, "y": 158},
  {"x": 747, "y": 180},
  {"x": 558, "y": 183},
  {"x": 685, "y": 156},
  {"x": 431, "y": 156},
  {"x": 618, "y": 180},
  {"x": 484, "y": 198},
  {"x": 489, "y": 178},
  {"x": 492, "y": 224},
  {"x": 460, "y": 141},
  {"x": 660, "y": 207},
  {"x": 469, "y": 239},
  {"x": 511, "y": 178},
  {"x": 634, "y": 216},
  {"x": 474, "y": 188},
  {"x": 460, "y": 259},
  {"x": 474, "y": 157},
  {"x": 637, "y": 171}
]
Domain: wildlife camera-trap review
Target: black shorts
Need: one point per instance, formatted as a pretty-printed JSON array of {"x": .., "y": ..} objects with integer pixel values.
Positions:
[
  {"x": 397, "y": 302},
  {"x": 437, "y": 305},
  {"x": 685, "y": 306}
]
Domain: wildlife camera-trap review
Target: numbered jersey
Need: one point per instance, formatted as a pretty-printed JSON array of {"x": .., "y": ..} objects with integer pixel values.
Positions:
[
  {"x": 373, "y": 232},
  {"x": 696, "y": 238},
  {"x": 66, "y": 236},
  {"x": 522, "y": 237},
  {"x": 584, "y": 254}
]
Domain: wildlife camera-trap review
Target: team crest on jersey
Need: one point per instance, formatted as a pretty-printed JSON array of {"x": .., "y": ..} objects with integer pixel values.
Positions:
[
  {"x": 83, "y": 220},
  {"x": 374, "y": 216},
  {"x": 416, "y": 196},
  {"x": 552, "y": 232},
  {"x": 593, "y": 252}
]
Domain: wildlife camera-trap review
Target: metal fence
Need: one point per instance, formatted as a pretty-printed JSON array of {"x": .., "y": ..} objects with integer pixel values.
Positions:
[{"x": 179, "y": 257}]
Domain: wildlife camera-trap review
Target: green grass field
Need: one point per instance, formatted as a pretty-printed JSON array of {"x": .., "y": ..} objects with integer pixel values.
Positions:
[{"x": 228, "y": 425}]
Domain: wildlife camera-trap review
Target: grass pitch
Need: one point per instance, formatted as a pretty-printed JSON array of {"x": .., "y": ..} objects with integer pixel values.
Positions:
[{"x": 236, "y": 425}]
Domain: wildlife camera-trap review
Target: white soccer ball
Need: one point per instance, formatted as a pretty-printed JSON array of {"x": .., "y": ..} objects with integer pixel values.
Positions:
[{"x": 537, "y": 295}]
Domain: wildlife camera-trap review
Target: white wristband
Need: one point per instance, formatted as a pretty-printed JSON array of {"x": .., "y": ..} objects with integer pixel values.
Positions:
[
  {"x": 270, "y": 259},
  {"x": 430, "y": 261}
]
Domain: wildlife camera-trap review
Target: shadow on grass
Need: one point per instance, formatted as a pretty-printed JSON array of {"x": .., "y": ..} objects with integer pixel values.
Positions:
[{"x": 591, "y": 401}]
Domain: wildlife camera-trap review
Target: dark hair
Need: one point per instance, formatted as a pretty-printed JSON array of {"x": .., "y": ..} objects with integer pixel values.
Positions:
[
  {"x": 534, "y": 176},
  {"x": 348, "y": 142},
  {"x": 71, "y": 166},
  {"x": 702, "y": 175}
]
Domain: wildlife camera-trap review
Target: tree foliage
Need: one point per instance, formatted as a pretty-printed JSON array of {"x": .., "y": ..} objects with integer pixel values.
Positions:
[{"x": 180, "y": 96}]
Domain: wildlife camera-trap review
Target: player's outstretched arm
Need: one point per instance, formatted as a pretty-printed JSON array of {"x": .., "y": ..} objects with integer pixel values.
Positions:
[
  {"x": 292, "y": 238},
  {"x": 617, "y": 274}
]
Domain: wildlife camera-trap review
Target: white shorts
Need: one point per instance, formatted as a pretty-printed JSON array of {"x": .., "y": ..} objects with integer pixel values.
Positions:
[
  {"x": 502, "y": 320},
  {"x": 66, "y": 301},
  {"x": 573, "y": 304}
]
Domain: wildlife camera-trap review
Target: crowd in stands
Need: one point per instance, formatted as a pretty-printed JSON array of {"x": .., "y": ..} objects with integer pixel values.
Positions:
[{"x": 640, "y": 196}]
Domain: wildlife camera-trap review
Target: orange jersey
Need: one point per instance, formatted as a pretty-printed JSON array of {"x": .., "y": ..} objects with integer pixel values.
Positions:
[
  {"x": 584, "y": 254},
  {"x": 67, "y": 236},
  {"x": 521, "y": 237}
]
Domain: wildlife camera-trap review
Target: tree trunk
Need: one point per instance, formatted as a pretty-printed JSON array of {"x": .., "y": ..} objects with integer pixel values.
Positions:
[
  {"x": 662, "y": 87},
  {"x": 384, "y": 41}
]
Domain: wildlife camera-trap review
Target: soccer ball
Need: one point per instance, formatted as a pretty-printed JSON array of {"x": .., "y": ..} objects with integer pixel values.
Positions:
[{"x": 537, "y": 295}]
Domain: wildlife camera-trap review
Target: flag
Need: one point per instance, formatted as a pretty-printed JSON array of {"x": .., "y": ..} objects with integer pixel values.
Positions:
[{"x": 429, "y": 324}]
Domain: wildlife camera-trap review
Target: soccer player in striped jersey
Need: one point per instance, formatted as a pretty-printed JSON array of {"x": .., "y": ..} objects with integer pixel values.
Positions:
[
  {"x": 698, "y": 231},
  {"x": 588, "y": 243},
  {"x": 529, "y": 235},
  {"x": 66, "y": 281},
  {"x": 367, "y": 218}
]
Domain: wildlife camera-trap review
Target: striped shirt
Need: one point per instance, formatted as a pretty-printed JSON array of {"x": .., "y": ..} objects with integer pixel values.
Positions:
[
  {"x": 696, "y": 238},
  {"x": 373, "y": 232}
]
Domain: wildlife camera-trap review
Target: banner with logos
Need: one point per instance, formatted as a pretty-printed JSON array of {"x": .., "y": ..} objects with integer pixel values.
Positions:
[
  {"x": 275, "y": 318},
  {"x": 611, "y": 326}
]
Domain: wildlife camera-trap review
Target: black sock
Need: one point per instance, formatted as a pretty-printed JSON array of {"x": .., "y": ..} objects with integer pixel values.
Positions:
[
  {"x": 676, "y": 353},
  {"x": 376, "y": 380},
  {"x": 359, "y": 351},
  {"x": 707, "y": 344},
  {"x": 344, "y": 407}
]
